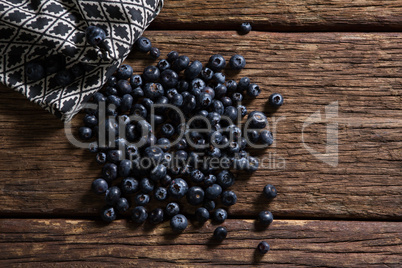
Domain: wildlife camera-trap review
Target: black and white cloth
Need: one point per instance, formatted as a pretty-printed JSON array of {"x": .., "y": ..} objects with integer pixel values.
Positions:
[{"x": 31, "y": 30}]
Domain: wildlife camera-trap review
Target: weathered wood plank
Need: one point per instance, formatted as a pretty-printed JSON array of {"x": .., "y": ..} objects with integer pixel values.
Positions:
[
  {"x": 293, "y": 243},
  {"x": 282, "y": 15},
  {"x": 41, "y": 173}
]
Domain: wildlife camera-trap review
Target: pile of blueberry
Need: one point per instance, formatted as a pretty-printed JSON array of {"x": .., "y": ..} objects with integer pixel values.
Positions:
[{"x": 174, "y": 137}]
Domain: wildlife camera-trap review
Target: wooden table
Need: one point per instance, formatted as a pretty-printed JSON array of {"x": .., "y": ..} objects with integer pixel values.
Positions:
[{"x": 347, "y": 54}]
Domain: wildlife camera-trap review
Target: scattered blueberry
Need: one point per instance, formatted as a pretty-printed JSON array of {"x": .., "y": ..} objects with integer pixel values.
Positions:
[
  {"x": 263, "y": 247},
  {"x": 95, "y": 35},
  {"x": 270, "y": 191},
  {"x": 220, "y": 233},
  {"x": 237, "y": 62},
  {"x": 245, "y": 28}
]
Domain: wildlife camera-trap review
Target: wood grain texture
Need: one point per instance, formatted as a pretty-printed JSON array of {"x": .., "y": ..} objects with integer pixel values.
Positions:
[
  {"x": 282, "y": 15},
  {"x": 41, "y": 173},
  {"x": 293, "y": 243}
]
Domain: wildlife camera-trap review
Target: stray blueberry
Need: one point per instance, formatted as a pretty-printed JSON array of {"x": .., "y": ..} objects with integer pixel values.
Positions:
[
  {"x": 220, "y": 233},
  {"x": 270, "y": 191},
  {"x": 245, "y": 28},
  {"x": 85, "y": 133},
  {"x": 263, "y": 247},
  {"x": 265, "y": 218},
  {"x": 237, "y": 62},
  {"x": 275, "y": 100},
  {"x": 253, "y": 90},
  {"x": 229, "y": 198}
]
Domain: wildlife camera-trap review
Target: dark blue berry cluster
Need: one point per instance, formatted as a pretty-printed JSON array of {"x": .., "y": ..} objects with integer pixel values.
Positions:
[{"x": 173, "y": 136}]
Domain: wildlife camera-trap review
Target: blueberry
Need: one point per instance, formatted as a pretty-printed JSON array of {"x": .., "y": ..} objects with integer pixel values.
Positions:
[
  {"x": 220, "y": 90},
  {"x": 226, "y": 101},
  {"x": 172, "y": 56},
  {"x": 178, "y": 223},
  {"x": 123, "y": 87},
  {"x": 111, "y": 91},
  {"x": 213, "y": 191},
  {"x": 99, "y": 97},
  {"x": 216, "y": 63},
  {"x": 189, "y": 103},
  {"x": 206, "y": 74},
  {"x": 257, "y": 120},
  {"x": 253, "y": 135},
  {"x": 219, "y": 78},
  {"x": 140, "y": 110},
  {"x": 122, "y": 205},
  {"x": 253, "y": 90},
  {"x": 209, "y": 180},
  {"x": 177, "y": 100},
  {"x": 178, "y": 188},
  {"x": 109, "y": 172},
  {"x": 220, "y": 233},
  {"x": 181, "y": 155},
  {"x": 229, "y": 198},
  {"x": 220, "y": 215},
  {"x": 180, "y": 63},
  {"x": 252, "y": 164},
  {"x": 263, "y": 247},
  {"x": 242, "y": 109},
  {"x": 160, "y": 193},
  {"x": 204, "y": 100},
  {"x": 93, "y": 147},
  {"x": 129, "y": 185},
  {"x": 112, "y": 195},
  {"x": 182, "y": 144},
  {"x": 108, "y": 214},
  {"x": 137, "y": 93},
  {"x": 126, "y": 103},
  {"x": 201, "y": 214},
  {"x": 237, "y": 97},
  {"x": 63, "y": 78},
  {"x": 167, "y": 179},
  {"x": 99, "y": 186},
  {"x": 182, "y": 86},
  {"x": 139, "y": 214},
  {"x": 270, "y": 191},
  {"x": 158, "y": 172},
  {"x": 124, "y": 168},
  {"x": 114, "y": 156},
  {"x": 265, "y": 218},
  {"x": 245, "y": 28},
  {"x": 266, "y": 137},
  {"x": 101, "y": 158},
  {"x": 156, "y": 216},
  {"x": 141, "y": 199},
  {"x": 154, "y": 52},
  {"x": 208, "y": 90},
  {"x": 216, "y": 137},
  {"x": 243, "y": 84},
  {"x": 231, "y": 112},
  {"x": 195, "y": 195},
  {"x": 225, "y": 179},
  {"x": 136, "y": 81},
  {"x": 125, "y": 71},
  {"x": 115, "y": 100},
  {"x": 209, "y": 205},
  {"x": 143, "y": 44},
  {"x": 95, "y": 35},
  {"x": 217, "y": 107},
  {"x": 153, "y": 90},
  {"x": 85, "y": 133},
  {"x": 275, "y": 100},
  {"x": 193, "y": 70},
  {"x": 197, "y": 176},
  {"x": 111, "y": 81},
  {"x": 237, "y": 62},
  {"x": 164, "y": 144},
  {"x": 146, "y": 185},
  {"x": 167, "y": 130},
  {"x": 151, "y": 74},
  {"x": 197, "y": 85},
  {"x": 172, "y": 209}
]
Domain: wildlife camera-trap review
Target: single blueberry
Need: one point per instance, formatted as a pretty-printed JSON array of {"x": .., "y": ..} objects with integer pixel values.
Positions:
[
  {"x": 125, "y": 71},
  {"x": 99, "y": 186},
  {"x": 220, "y": 233},
  {"x": 129, "y": 185},
  {"x": 95, "y": 35},
  {"x": 178, "y": 223},
  {"x": 172, "y": 209},
  {"x": 108, "y": 214},
  {"x": 229, "y": 198},
  {"x": 143, "y": 44},
  {"x": 220, "y": 215},
  {"x": 245, "y": 28},
  {"x": 139, "y": 214},
  {"x": 201, "y": 214},
  {"x": 195, "y": 195},
  {"x": 216, "y": 62},
  {"x": 237, "y": 62}
]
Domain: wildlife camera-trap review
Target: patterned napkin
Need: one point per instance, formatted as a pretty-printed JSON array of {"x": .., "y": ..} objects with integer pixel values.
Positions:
[{"x": 39, "y": 30}]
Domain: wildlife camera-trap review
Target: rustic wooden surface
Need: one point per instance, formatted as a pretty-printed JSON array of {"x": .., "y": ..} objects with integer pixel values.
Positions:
[
  {"x": 324, "y": 215},
  {"x": 282, "y": 15},
  {"x": 301, "y": 243}
]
